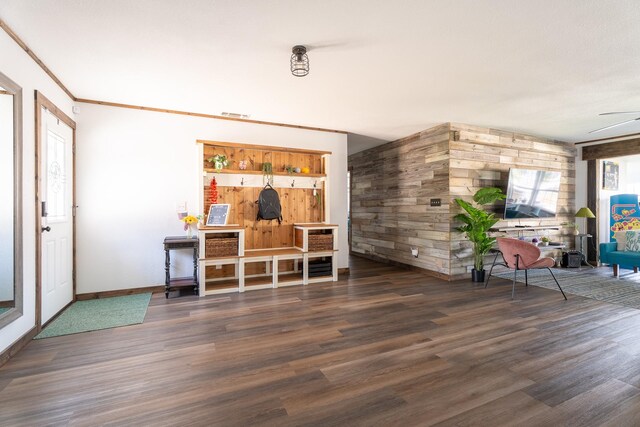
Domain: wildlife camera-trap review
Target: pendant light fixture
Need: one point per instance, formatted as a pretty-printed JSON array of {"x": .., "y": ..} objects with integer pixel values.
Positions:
[{"x": 299, "y": 61}]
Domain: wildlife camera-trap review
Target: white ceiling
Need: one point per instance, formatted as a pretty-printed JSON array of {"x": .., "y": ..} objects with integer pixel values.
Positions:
[{"x": 380, "y": 69}]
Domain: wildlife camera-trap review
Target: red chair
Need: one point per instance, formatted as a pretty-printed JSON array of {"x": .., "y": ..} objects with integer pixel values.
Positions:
[{"x": 521, "y": 255}]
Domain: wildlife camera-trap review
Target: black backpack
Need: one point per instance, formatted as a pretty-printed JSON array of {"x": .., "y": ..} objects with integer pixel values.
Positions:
[{"x": 269, "y": 204}]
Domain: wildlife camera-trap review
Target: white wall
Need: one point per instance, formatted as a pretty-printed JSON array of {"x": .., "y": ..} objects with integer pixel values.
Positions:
[
  {"x": 133, "y": 167},
  {"x": 19, "y": 67}
]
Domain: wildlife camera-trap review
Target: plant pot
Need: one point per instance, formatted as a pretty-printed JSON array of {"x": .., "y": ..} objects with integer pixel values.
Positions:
[{"x": 477, "y": 275}]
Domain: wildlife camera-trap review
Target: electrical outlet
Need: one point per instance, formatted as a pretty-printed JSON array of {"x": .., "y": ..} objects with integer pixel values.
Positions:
[
  {"x": 436, "y": 202},
  {"x": 414, "y": 252},
  {"x": 218, "y": 267}
]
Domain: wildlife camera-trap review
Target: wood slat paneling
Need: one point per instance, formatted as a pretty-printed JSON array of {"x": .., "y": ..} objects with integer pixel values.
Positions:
[
  {"x": 298, "y": 204},
  {"x": 392, "y": 186},
  {"x": 482, "y": 158}
]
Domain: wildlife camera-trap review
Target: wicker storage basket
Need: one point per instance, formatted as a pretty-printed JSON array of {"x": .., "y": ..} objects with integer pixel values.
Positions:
[
  {"x": 221, "y": 246},
  {"x": 320, "y": 242}
]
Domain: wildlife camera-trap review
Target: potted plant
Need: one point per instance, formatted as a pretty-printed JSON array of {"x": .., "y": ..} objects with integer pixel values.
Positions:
[
  {"x": 535, "y": 241},
  {"x": 545, "y": 241},
  {"x": 572, "y": 225},
  {"x": 477, "y": 223},
  {"x": 267, "y": 172},
  {"x": 219, "y": 161}
]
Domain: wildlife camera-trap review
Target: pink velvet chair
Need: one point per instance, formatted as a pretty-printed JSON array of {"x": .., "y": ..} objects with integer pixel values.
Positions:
[{"x": 521, "y": 255}]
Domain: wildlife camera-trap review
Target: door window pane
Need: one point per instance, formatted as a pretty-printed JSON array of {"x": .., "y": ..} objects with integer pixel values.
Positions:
[{"x": 56, "y": 178}]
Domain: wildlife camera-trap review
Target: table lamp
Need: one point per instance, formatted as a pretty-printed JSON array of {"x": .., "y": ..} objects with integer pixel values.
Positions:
[{"x": 584, "y": 212}]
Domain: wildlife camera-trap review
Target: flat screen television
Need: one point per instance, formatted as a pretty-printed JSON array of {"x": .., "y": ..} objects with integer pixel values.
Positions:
[{"x": 532, "y": 194}]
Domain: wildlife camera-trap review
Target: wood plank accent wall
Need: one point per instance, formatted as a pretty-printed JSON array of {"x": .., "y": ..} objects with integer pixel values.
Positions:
[
  {"x": 298, "y": 205},
  {"x": 391, "y": 190},
  {"x": 482, "y": 157},
  {"x": 393, "y": 184},
  {"x": 255, "y": 157}
]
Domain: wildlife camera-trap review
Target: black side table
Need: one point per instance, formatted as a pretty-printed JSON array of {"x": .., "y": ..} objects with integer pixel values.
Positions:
[
  {"x": 583, "y": 254},
  {"x": 176, "y": 283}
]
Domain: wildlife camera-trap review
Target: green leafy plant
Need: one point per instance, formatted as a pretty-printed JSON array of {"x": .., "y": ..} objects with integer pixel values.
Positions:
[
  {"x": 572, "y": 225},
  {"x": 219, "y": 161},
  {"x": 477, "y": 222},
  {"x": 267, "y": 172}
]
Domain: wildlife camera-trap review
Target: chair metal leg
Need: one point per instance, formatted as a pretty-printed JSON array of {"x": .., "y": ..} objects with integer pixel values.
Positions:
[
  {"x": 526, "y": 278},
  {"x": 515, "y": 273},
  {"x": 491, "y": 269},
  {"x": 554, "y": 278}
]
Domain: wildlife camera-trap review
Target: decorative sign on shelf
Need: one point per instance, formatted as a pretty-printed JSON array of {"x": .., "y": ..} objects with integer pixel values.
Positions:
[{"x": 218, "y": 215}]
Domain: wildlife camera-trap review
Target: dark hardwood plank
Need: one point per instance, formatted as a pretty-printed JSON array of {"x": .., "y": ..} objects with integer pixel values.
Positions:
[{"x": 384, "y": 346}]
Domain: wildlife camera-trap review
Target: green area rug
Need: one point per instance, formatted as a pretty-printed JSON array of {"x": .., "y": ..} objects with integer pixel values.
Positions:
[
  {"x": 584, "y": 282},
  {"x": 95, "y": 314}
]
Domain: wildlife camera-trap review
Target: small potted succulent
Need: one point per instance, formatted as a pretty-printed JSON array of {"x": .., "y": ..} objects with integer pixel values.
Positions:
[
  {"x": 535, "y": 241},
  {"x": 545, "y": 241}
]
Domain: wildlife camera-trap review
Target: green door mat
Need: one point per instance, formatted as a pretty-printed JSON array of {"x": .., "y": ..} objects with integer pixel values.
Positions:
[{"x": 95, "y": 314}]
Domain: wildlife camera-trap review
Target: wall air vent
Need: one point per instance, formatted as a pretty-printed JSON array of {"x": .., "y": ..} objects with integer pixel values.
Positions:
[{"x": 235, "y": 115}]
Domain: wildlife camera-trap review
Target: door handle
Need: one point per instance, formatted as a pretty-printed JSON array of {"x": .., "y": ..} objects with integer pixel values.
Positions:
[{"x": 47, "y": 228}]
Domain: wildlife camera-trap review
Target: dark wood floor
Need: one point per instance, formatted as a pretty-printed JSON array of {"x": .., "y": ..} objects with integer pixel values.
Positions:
[{"x": 385, "y": 347}]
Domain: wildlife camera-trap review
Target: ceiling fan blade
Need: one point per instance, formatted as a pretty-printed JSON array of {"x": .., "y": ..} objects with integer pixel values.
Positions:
[
  {"x": 619, "y": 112},
  {"x": 616, "y": 125}
]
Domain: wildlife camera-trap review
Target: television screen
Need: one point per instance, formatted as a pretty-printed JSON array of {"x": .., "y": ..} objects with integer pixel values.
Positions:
[{"x": 532, "y": 194}]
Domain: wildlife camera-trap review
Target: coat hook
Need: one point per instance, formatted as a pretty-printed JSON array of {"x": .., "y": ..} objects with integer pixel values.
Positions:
[
  {"x": 293, "y": 182},
  {"x": 242, "y": 181}
]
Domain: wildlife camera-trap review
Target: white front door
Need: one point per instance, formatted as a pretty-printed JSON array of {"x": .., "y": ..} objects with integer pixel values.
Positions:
[{"x": 56, "y": 190}]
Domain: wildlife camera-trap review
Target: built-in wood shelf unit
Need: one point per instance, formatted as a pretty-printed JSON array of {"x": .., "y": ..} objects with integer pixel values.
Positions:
[
  {"x": 304, "y": 234},
  {"x": 269, "y": 256},
  {"x": 220, "y": 272},
  {"x": 267, "y": 268},
  {"x": 254, "y": 172},
  {"x": 303, "y": 196},
  {"x": 256, "y": 155}
]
